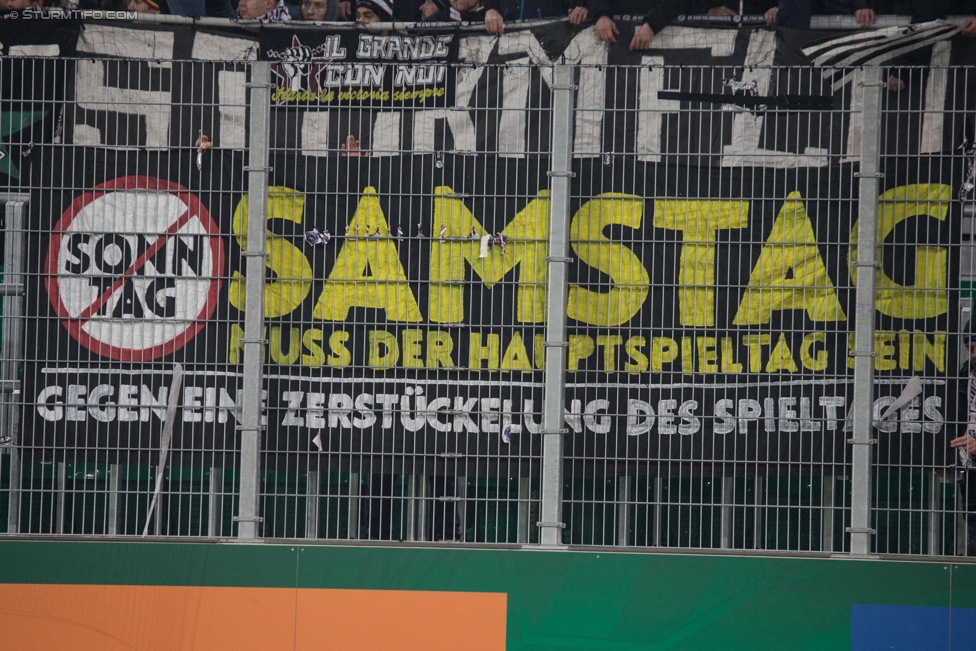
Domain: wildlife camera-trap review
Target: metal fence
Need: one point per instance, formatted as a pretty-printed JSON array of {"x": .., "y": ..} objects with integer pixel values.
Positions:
[{"x": 569, "y": 477}]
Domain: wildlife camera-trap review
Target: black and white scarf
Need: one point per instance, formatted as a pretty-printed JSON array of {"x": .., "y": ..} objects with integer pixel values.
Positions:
[
  {"x": 966, "y": 459},
  {"x": 277, "y": 15}
]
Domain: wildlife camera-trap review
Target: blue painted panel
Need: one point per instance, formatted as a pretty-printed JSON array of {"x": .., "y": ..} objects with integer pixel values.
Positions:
[{"x": 912, "y": 628}]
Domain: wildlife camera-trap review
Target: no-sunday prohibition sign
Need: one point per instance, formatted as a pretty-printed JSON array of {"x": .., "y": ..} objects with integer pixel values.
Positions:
[{"x": 134, "y": 268}]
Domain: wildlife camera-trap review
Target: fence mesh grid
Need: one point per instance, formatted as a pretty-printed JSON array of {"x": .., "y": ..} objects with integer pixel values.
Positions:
[
  {"x": 402, "y": 423},
  {"x": 449, "y": 476}
]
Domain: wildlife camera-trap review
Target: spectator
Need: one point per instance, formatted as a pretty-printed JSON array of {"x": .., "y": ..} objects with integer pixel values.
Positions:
[
  {"x": 659, "y": 17},
  {"x": 465, "y": 10},
  {"x": 534, "y": 9},
  {"x": 197, "y": 8},
  {"x": 795, "y": 14},
  {"x": 143, "y": 6},
  {"x": 344, "y": 10},
  {"x": 318, "y": 10},
  {"x": 792, "y": 14},
  {"x": 431, "y": 8},
  {"x": 352, "y": 148},
  {"x": 43, "y": 7},
  {"x": 601, "y": 13},
  {"x": 921, "y": 11},
  {"x": 966, "y": 446},
  {"x": 264, "y": 11},
  {"x": 15, "y": 5},
  {"x": 373, "y": 11}
]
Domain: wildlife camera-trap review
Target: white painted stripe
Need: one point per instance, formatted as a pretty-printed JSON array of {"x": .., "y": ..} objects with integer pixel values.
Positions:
[
  {"x": 211, "y": 47},
  {"x": 315, "y": 133},
  {"x": 935, "y": 95},
  {"x": 123, "y": 43},
  {"x": 35, "y": 50},
  {"x": 233, "y": 109}
]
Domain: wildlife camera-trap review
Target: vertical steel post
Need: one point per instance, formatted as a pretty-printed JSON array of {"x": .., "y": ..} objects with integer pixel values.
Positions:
[
  {"x": 461, "y": 513},
  {"x": 866, "y": 268},
  {"x": 758, "y": 530},
  {"x": 215, "y": 488},
  {"x": 416, "y": 507},
  {"x": 658, "y": 493},
  {"x": 253, "y": 341},
  {"x": 113, "y": 500},
  {"x": 623, "y": 509},
  {"x": 355, "y": 490},
  {"x": 420, "y": 490},
  {"x": 12, "y": 345},
  {"x": 157, "y": 514},
  {"x": 935, "y": 514},
  {"x": 411, "y": 510},
  {"x": 524, "y": 509},
  {"x": 550, "y": 521},
  {"x": 728, "y": 499},
  {"x": 962, "y": 530},
  {"x": 827, "y": 503},
  {"x": 60, "y": 480},
  {"x": 312, "y": 504}
]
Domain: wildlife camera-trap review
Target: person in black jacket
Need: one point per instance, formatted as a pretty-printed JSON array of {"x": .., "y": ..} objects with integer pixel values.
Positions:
[
  {"x": 534, "y": 9},
  {"x": 601, "y": 12},
  {"x": 659, "y": 17},
  {"x": 374, "y": 11},
  {"x": 319, "y": 10},
  {"x": 795, "y": 14},
  {"x": 431, "y": 8},
  {"x": 921, "y": 11},
  {"x": 464, "y": 11}
]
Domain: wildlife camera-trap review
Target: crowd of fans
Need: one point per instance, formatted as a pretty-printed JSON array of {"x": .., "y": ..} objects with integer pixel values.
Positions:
[{"x": 793, "y": 14}]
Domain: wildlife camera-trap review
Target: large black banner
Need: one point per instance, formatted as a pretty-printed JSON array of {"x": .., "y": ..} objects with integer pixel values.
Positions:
[{"x": 711, "y": 300}]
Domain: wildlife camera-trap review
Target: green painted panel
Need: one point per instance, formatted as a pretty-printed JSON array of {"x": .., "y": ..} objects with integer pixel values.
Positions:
[
  {"x": 556, "y": 600},
  {"x": 963, "y": 585},
  {"x": 266, "y": 566},
  {"x": 574, "y": 600}
]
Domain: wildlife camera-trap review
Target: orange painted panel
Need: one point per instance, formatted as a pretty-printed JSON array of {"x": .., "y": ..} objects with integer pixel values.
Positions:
[
  {"x": 168, "y": 618},
  {"x": 163, "y": 618},
  {"x": 374, "y": 620}
]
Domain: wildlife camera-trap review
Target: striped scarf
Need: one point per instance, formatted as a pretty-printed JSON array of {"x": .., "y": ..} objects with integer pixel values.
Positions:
[
  {"x": 972, "y": 401},
  {"x": 966, "y": 459},
  {"x": 277, "y": 15}
]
